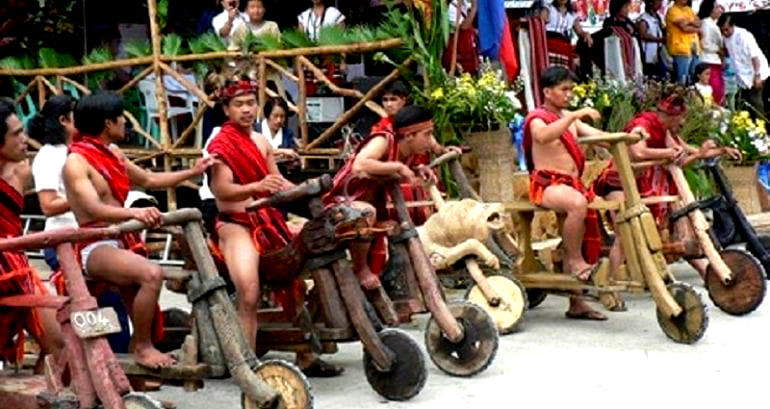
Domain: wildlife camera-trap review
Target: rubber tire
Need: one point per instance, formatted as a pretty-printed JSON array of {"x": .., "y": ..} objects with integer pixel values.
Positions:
[
  {"x": 483, "y": 337},
  {"x": 743, "y": 283},
  {"x": 407, "y": 374},
  {"x": 285, "y": 369},
  {"x": 514, "y": 294},
  {"x": 535, "y": 297},
  {"x": 673, "y": 328}
]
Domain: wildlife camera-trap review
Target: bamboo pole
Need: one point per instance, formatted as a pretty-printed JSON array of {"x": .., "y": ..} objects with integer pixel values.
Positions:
[
  {"x": 187, "y": 84},
  {"x": 345, "y": 92},
  {"x": 40, "y": 92},
  {"x": 27, "y": 89},
  {"x": 82, "y": 88},
  {"x": 333, "y": 49},
  {"x": 262, "y": 92},
  {"x": 148, "y": 157},
  {"x": 278, "y": 67},
  {"x": 50, "y": 86},
  {"x": 136, "y": 79},
  {"x": 357, "y": 107},
  {"x": 59, "y": 84},
  {"x": 302, "y": 103},
  {"x": 81, "y": 69},
  {"x": 138, "y": 128},
  {"x": 191, "y": 128},
  {"x": 160, "y": 95}
]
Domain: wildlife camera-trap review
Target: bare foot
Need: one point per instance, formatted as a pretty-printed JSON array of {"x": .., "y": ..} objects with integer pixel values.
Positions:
[
  {"x": 152, "y": 358},
  {"x": 579, "y": 309},
  {"x": 368, "y": 280}
]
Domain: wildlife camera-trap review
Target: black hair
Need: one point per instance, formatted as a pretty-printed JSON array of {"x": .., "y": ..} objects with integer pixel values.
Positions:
[
  {"x": 275, "y": 102},
  {"x": 397, "y": 88},
  {"x": 555, "y": 75},
  {"x": 7, "y": 108},
  {"x": 93, "y": 110},
  {"x": 410, "y": 115},
  {"x": 706, "y": 7},
  {"x": 725, "y": 20},
  {"x": 45, "y": 126},
  {"x": 570, "y": 7},
  {"x": 648, "y": 6},
  {"x": 699, "y": 70},
  {"x": 616, "y": 6}
]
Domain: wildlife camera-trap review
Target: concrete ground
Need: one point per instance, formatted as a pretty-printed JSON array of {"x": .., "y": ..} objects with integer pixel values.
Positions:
[{"x": 552, "y": 362}]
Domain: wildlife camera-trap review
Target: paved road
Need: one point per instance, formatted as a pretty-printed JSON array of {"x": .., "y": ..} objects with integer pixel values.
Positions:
[{"x": 626, "y": 362}]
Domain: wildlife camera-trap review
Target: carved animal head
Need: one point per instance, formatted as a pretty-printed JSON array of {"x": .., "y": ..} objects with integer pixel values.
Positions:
[
  {"x": 337, "y": 224},
  {"x": 458, "y": 221}
]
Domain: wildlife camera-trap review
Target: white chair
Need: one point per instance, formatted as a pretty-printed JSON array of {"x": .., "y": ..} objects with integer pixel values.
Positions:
[{"x": 147, "y": 89}]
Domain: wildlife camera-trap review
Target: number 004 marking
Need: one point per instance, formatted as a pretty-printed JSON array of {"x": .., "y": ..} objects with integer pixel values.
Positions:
[{"x": 95, "y": 323}]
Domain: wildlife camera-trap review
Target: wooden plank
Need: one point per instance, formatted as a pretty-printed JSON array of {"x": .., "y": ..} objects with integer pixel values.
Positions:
[{"x": 192, "y": 372}]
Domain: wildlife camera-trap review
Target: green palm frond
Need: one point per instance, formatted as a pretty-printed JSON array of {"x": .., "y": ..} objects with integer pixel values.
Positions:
[
  {"x": 50, "y": 58},
  {"x": 172, "y": 45},
  {"x": 333, "y": 35},
  {"x": 138, "y": 48},
  {"x": 207, "y": 42},
  {"x": 270, "y": 42},
  {"x": 20, "y": 62},
  {"x": 97, "y": 56},
  {"x": 294, "y": 38}
]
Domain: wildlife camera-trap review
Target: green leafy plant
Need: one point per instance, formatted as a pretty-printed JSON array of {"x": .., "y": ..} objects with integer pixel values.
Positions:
[
  {"x": 138, "y": 48},
  {"x": 172, "y": 45},
  {"x": 207, "y": 42},
  {"x": 748, "y": 136},
  {"x": 50, "y": 58},
  {"x": 96, "y": 56}
]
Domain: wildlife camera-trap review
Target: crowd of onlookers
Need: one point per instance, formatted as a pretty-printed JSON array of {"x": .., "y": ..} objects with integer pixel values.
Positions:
[{"x": 675, "y": 42}]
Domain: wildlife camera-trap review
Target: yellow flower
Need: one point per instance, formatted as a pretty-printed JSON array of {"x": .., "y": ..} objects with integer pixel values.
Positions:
[
  {"x": 438, "y": 93},
  {"x": 743, "y": 114}
]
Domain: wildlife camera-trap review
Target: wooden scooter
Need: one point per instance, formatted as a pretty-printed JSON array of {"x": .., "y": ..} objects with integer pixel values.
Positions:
[
  {"x": 681, "y": 313},
  {"x": 96, "y": 374},
  {"x": 393, "y": 363}
]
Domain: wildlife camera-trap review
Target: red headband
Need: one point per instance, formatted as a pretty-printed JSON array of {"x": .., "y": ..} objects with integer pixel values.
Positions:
[
  {"x": 669, "y": 106},
  {"x": 414, "y": 128},
  {"x": 238, "y": 88}
]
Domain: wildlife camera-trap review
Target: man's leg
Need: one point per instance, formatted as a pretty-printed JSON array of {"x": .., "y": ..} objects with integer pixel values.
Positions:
[
  {"x": 126, "y": 268},
  {"x": 613, "y": 301},
  {"x": 565, "y": 199},
  {"x": 242, "y": 261},
  {"x": 359, "y": 253},
  {"x": 50, "y": 340}
]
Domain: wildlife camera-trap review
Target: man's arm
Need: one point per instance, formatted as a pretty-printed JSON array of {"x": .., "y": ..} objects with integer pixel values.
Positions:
[
  {"x": 368, "y": 161},
  {"x": 51, "y": 203},
  {"x": 640, "y": 151},
  {"x": 225, "y": 189},
  {"x": 547, "y": 133},
  {"x": 159, "y": 180},
  {"x": 81, "y": 193}
]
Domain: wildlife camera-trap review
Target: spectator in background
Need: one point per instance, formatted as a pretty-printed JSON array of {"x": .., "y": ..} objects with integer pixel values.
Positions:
[
  {"x": 256, "y": 23},
  {"x": 319, "y": 15},
  {"x": 682, "y": 26},
  {"x": 273, "y": 128},
  {"x": 702, "y": 84},
  {"x": 652, "y": 36},
  {"x": 466, "y": 54},
  {"x": 230, "y": 20},
  {"x": 54, "y": 127},
  {"x": 712, "y": 44},
  {"x": 562, "y": 22},
  {"x": 749, "y": 62}
]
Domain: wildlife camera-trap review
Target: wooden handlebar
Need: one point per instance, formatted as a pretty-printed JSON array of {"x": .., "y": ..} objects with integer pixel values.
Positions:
[
  {"x": 449, "y": 156},
  {"x": 611, "y": 138},
  {"x": 310, "y": 187},
  {"x": 55, "y": 237}
]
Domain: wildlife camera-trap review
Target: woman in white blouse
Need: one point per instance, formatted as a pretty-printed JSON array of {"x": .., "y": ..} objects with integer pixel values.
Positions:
[
  {"x": 562, "y": 22},
  {"x": 712, "y": 45},
  {"x": 319, "y": 15}
]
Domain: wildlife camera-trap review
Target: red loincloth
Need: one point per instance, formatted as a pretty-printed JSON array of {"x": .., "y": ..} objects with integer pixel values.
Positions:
[
  {"x": 115, "y": 173},
  {"x": 16, "y": 278},
  {"x": 654, "y": 180},
  {"x": 540, "y": 179},
  {"x": 267, "y": 226}
]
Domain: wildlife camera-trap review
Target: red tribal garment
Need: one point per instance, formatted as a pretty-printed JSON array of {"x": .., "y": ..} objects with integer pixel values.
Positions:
[
  {"x": 467, "y": 56},
  {"x": 627, "y": 50},
  {"x": 239, "y": 152},
  {"x": 541, "y": 179},
  {"x": 654, "y": 180},
  {"x": 16, "y": 278}
]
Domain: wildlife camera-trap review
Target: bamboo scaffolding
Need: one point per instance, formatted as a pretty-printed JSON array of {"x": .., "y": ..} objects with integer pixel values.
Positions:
[
  {"x": 202, "y": 97},
  {"x": 40, "y": 92},
  {"x": 191, "y": 128},
  {"x": 302, "y": 103},
  {"x": 82, "y": 88},
  {"x": 54, "y": 90},
  {"x": 130, "y": 84},
  {"x": 329, "y": 132},
  {"x": 138, "y": 128},
  {"x": 262, "y": 91},
  {"x": 281, "y": 69},
  {"x": 26, "y": 90}
]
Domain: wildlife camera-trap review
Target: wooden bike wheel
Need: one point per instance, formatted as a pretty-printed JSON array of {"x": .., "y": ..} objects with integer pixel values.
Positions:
[
  {"x": 747, "y": 288},
  {"x": 535, "y": 297},
  {"x": 508, "y": 310},
  {"x": 287, "y": 380},
  {"x": 406, "y": 376},
  {"x": 140, "y": 401},
  {"x": 690, "y": 325},
  {"x": 471, "y": 355}
]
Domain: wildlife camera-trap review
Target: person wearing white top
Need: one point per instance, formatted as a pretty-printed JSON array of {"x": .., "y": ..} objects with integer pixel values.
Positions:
[
  {"x": 712, "y": 45},
  {"x": 230, "y": 20},
  {"x": 562, "y": 22},
  {"x": 650, "y": 29},
  {"x": 54, "y": 127},
  {"x": 749, "y": 62},
  {"x": 319, "y": 15}
]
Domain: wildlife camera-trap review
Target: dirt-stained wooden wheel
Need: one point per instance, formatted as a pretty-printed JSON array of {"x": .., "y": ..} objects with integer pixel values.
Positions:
[
  {"x": 287, "y": 380},
  {"x": 535, "y": 297},
  {"x": 690, "y": 325},
  {"x": 471, "y": 355},
  {"x": 406, "y": 376},
  {"x": 140, "y": 401},
  {"x": 745, "y": 291},
  {"x": 508, "y": 310}
]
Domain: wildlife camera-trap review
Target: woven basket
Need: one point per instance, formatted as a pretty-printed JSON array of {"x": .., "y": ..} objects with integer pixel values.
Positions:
[
  {"x": 743, "y": 182},
  {"x": 496, "y": 163}
]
